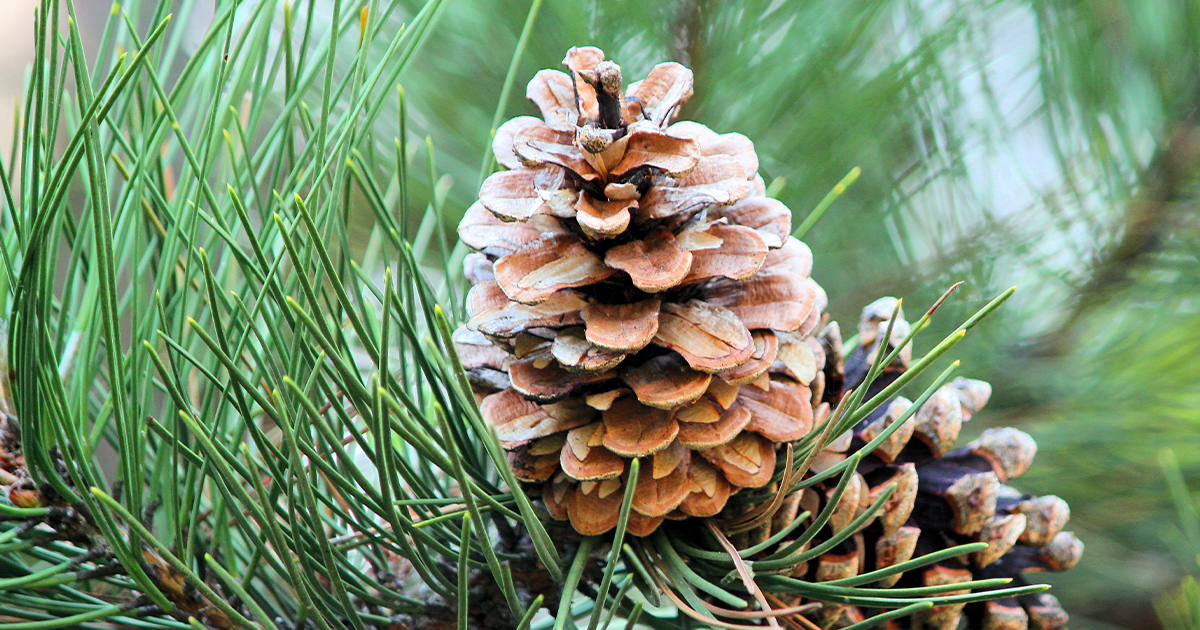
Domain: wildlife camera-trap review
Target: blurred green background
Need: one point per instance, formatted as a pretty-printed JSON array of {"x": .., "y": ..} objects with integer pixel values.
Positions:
[{"x": 1048, "y": 144}]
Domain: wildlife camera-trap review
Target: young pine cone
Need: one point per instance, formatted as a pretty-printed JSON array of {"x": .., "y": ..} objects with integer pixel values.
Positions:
[
  {"x": 944, "y": 496},
  {"x": 635, "y": 296}
]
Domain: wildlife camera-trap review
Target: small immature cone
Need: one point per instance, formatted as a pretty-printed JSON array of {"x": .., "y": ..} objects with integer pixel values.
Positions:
[{"x": 634, "y": 290}]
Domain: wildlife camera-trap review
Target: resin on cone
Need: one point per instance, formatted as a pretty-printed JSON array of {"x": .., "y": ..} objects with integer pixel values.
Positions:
[{"x": 635, "y": 296}]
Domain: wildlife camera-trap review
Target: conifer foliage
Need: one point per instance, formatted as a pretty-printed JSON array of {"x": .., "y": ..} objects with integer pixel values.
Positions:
[{"x": 221, "y": 409}]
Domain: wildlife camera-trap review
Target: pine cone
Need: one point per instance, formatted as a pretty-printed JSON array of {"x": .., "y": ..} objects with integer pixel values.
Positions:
[
  {"x": 943, "y": 498},
  {"x": 635, "y": 296}
]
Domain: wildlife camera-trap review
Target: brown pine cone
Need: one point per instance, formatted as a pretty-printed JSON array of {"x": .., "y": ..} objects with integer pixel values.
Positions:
[{"x": 635, "y": 296}]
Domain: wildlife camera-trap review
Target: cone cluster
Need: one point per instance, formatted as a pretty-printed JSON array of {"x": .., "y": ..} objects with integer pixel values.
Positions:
[
  {"x": 944, "y": 496},
  {"x": 635, "y": 296}
]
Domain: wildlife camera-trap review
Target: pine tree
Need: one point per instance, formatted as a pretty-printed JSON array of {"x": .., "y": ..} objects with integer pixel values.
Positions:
[{"x": 300, "y": 441}]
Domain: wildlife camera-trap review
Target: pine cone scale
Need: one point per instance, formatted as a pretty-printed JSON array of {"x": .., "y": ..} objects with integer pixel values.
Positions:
[
  {"x": 635, "y": 430},
  {"x": 666, "y": 382},
  {"x": 621, "y": 327}
]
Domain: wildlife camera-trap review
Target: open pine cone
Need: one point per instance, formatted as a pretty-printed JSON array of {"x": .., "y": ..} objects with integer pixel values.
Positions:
[
  {"x": 635, "y": 296},
  {"x": 944, "y": 496}
]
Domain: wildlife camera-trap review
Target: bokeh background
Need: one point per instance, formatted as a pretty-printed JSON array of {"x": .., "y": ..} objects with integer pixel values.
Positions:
[{"x": 1049, "y": 144}]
